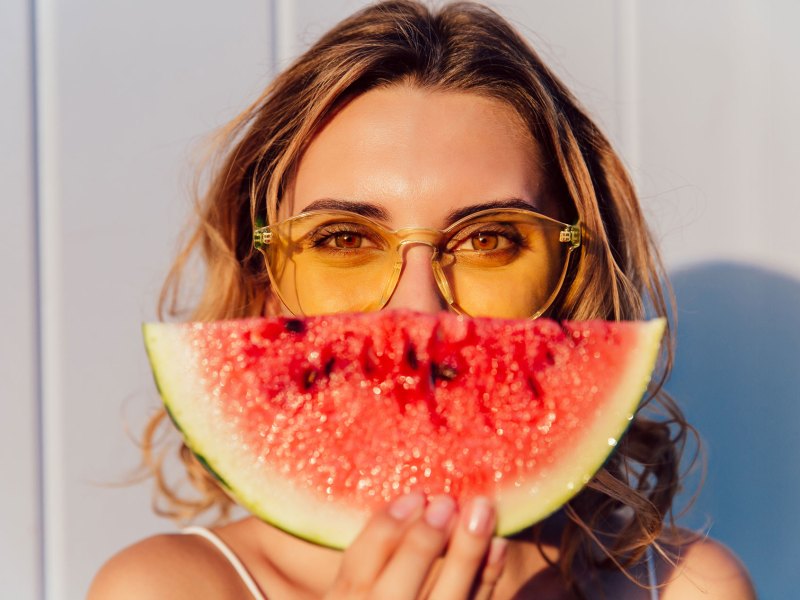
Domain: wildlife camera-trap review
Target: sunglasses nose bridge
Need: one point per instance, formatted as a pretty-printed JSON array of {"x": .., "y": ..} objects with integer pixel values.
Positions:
[
  {"x": 426, "y": 237},
  {"x": 433, "y": 240}
]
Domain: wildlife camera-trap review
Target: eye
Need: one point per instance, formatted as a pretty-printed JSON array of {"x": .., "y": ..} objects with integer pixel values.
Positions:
[
  {"x": 344, "y": 236},
  {"x": 484, "y": 240},
  {"x": 347, "y": 240},
  {"x": 484, "y": 237}
]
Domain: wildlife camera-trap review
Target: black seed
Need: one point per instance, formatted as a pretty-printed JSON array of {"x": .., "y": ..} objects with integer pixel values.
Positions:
[
  {"x": 443, "y": 372},
  {"x": 411, "y": 357},
  {"x": 295, "y": 326},
  {"x": 309, "y": 377},
  {"x": 549, "y": 357},
  {"x": 535, "y": 388},
  {"x": 368, "y": 358},
  {"x": 329, "y": 365}
]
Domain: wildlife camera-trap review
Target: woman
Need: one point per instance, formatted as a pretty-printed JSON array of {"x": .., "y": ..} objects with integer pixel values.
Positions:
[{"x": 404, "y": 118}]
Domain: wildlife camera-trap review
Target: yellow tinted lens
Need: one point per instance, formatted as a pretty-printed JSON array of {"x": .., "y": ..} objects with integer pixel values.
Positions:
[
  {"x": 504, "y": 265},
  {"x": 497, "y": 263},
  {"x": 330, "y": 263}
]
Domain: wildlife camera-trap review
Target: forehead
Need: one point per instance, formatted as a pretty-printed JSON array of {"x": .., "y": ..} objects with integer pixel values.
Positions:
[{"x": 420, "y": 154}]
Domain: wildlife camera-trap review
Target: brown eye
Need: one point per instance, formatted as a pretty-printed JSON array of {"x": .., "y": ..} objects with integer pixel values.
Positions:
[
  {"x": 348, "y": 240},
  {"x": 485, "y": 241}
]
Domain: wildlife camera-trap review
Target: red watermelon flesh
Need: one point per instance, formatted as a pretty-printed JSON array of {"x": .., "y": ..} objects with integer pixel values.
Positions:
[{"x": 314, "y": 423}]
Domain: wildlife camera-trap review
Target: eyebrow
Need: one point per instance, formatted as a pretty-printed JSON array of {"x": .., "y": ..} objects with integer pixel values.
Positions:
[
  {"x": 365, "y": 209},
  {"x": 465, "y": 211},
  {"x": 374, "y": 211}
]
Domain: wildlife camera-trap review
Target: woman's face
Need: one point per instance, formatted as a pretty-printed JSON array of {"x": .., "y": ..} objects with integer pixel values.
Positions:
[{"x": 410, "y": 157}]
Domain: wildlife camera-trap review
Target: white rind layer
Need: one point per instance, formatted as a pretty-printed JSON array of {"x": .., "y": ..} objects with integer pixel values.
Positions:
[
  {"x": 270, "y": 496},
  {"x": 518, "y": 507}
]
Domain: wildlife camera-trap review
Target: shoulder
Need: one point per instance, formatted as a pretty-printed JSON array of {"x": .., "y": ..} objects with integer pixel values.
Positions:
[
  {"x": 707, "y": 570},
  {"x": 166, "y": 566}
]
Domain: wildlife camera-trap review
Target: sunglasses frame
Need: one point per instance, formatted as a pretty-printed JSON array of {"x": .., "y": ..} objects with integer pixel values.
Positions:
[{"x": 263, "y": 238}]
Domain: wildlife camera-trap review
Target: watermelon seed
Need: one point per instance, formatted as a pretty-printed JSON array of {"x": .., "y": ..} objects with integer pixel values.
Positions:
[
  {"x": 369, "y": 359},
  {"x": 442, "y": 372},
  {"x": 295, "y": 326},
  {"x": 329, "y": 365},
  {"x": 549, "y": 357},
  {"x": 411, "y": 357},
  {"x": 309, "y": 377}
]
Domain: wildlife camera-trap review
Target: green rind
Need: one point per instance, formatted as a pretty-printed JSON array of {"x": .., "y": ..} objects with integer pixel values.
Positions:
[
  {"x": 159, "y": 354},
  {"x": 514, "y": 514}
]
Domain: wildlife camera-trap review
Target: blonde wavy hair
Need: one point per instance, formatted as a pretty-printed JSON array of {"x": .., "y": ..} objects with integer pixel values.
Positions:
[{"x": 463, "y": 47}]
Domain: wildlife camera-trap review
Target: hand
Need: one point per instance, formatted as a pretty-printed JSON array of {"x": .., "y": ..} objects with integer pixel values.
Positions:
[{"x": 393, "y": 557}]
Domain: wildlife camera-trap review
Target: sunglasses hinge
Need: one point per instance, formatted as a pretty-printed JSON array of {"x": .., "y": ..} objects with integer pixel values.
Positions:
[
  {"x": 570, "y": 235},
  {"x": 262, "y": 237}
]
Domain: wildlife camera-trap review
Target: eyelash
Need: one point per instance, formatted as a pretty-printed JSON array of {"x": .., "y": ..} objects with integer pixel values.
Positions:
[
  {"x": 509, "y": 233},
  {"x": 320, "y": 237}
]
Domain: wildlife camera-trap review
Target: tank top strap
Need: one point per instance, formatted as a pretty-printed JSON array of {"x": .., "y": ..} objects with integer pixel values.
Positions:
[
  {"x": 230, "y": 556},
  {"x": 652, "y": 577}
]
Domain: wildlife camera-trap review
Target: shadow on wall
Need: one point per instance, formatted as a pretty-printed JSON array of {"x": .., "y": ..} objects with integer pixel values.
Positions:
[{"x": 737, "y": 376}]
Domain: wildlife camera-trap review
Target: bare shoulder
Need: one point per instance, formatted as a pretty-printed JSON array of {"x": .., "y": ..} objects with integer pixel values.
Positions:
[
  {"x": 166, "y": 566},
  {"x": 708, "y": 570}
]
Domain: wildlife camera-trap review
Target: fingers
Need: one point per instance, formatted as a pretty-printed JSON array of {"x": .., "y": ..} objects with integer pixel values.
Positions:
[
  {"x": 495, "y": 562},
  {"x": 367, "y": 556},
  {"x": 394, "y": 555},
  {"x": 424, "y": 542},
  {"x": 468, "y": 552}
]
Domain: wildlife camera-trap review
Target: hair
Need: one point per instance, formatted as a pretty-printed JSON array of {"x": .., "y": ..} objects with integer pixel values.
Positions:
[{"x": 617, "y": 275}]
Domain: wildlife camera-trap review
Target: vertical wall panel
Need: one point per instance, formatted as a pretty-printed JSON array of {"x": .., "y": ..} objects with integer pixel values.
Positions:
[
  {"x": 718, "y": 83},
  {"x": 304, "y": 21},
  {"x": 700, "y": 97},
  {"x": 719, "y": 125},
  {"x": 19, "y": 499},
  {"x": 579, "y": 41},
  {"x": 129, "y": 92}
]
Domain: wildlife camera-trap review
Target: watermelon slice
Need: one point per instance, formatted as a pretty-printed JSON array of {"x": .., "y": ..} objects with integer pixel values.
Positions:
[{"x": 314, "y": 423}]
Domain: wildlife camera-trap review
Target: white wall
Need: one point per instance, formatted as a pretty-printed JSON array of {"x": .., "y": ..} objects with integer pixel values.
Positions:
[
  {"x": 19, "y": 428},
  {"x": 699, "y": 96}
]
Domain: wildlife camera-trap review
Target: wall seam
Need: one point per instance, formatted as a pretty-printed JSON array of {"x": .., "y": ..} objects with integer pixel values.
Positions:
[
  {"x": 47, "y": 302},
  {"x": 627, "y": 82},
  {"x": 37, "y": 298}
]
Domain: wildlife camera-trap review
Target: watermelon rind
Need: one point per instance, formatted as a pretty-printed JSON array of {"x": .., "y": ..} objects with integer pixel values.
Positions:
[
  {"x": 273, "y": 498},
  {"x": 277, "y": 502},
  {"x": 517, "y": 509}
]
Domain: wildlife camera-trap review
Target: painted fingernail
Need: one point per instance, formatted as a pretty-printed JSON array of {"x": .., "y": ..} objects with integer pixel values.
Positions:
[
  {"x": 479, "y": 517},
  {"x": 405, "y": 506},
  {"x": 440, "y": 511},
  {"x": 497, "y": 551}
]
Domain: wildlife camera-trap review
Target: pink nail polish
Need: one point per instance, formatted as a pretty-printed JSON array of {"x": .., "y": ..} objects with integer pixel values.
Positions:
[
  {"x": 405, "y": 506},
  {"x": 497, "y": 551},
  {"x": 440, "y": 511},
  {"x": 479, "y": 517}
]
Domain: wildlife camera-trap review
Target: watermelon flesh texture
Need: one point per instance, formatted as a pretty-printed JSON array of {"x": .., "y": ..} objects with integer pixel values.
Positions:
[{"x": 312, "y": 424}]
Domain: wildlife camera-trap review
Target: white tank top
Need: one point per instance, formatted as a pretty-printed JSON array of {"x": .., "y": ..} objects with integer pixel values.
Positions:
[
  {"x": 257, "y": 594},
  {"x": 240, "y": 569}
]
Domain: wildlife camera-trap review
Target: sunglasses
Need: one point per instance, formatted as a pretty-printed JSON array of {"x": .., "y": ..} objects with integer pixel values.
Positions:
[{"x": 500, "y": 263}]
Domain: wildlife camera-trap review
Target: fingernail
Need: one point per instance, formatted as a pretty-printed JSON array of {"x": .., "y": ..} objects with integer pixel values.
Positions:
[
  {"x": 405, "y": 506},
  {"x": 497, "y": 551},
  {"x": 479, "y": 517},
  {"x": 440, "y": 511}
]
